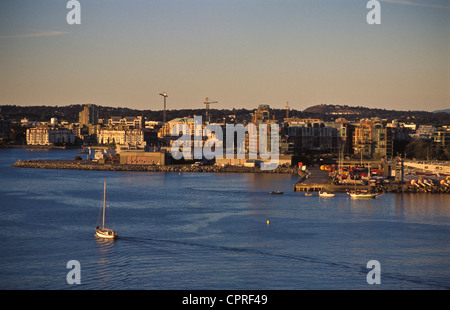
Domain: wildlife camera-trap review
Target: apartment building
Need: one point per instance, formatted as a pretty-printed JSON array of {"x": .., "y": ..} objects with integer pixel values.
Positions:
[
  {"x": 371, "y": 138},
  {"x": 311, "y": 135},
  {"x": 122, "y": 136},
  {"x": 89, "y": 115},
  {"x": 49, "y": 136}
]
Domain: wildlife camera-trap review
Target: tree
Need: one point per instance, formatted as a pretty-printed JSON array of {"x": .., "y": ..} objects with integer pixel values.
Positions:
[{"x": 425, "y": 150}]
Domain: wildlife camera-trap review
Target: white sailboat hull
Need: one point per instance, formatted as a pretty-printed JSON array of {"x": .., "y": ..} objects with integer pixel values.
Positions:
[
  {"x": 363, "y": 196},
  {"x": 325, "y": 194},
  {"x": 107, "y": 233}
]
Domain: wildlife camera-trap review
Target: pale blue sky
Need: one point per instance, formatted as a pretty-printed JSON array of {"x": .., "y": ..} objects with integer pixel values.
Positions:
[{"x": 240, "y": 53}]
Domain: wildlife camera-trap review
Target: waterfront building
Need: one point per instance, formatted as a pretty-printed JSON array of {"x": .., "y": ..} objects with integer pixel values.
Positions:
[
  {"x": 49, "y": 136},
  {"x": 123, "y": 136},
  {"x": 344, "y": 135},
  {"x": 166, "y": 130},
  {"x": 141, "y": 157},
  {"x": 372, "y": 139},
  {"x": 261, "y": 116},
  {"x": 311, "y": 135}
]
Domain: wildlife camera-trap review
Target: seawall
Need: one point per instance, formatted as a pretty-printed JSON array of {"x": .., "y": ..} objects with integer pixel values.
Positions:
[{"x": 90, "y": 165}]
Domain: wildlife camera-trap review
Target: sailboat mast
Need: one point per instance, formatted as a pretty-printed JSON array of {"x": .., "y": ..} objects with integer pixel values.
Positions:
[{"x": 104, "y": 202}]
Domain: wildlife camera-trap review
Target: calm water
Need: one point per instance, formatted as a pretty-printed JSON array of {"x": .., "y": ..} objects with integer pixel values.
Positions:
[{"x": 210, "y": 231}]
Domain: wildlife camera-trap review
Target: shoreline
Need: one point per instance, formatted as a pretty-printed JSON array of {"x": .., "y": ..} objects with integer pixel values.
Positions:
[
  {"x": 310, "y": 181},
  {"x": 40, "y": 147},
  {"x": 90, "y": 165}
]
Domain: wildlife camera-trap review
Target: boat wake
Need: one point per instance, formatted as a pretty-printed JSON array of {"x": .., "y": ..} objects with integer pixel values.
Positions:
[{"x": 337, "y": 266}]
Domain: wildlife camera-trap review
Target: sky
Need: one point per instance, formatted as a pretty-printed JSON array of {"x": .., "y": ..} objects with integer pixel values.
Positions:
[{"x": 240, "y": 53}]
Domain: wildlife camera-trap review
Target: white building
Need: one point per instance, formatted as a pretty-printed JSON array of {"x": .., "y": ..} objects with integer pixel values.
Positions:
[
  {"x": 109, "y": 136},
  {"x": 49, "y": 136}
]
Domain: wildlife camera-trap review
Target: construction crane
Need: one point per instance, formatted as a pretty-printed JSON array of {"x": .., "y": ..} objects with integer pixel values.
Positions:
[
  {"x": 164, "y": 94},
  {"x": 207, "y": 103}
]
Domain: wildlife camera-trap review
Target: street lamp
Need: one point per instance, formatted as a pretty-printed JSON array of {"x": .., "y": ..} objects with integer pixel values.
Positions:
[{"x": 164, "y": 94}]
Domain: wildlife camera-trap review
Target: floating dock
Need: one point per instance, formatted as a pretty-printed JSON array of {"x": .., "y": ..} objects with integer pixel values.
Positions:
[{"x": 317, "y": 187}]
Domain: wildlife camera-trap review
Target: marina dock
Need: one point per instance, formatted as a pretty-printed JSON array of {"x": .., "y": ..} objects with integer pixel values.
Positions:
[{"x": 315, "y": 180}]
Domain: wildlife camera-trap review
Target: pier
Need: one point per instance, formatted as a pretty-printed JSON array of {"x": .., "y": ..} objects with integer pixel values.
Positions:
[
  {"x": 314, "y": 187},
  {"x": 316, "y": 180}
]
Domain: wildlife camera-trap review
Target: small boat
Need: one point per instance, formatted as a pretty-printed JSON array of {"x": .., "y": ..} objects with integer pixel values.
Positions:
[
  {"x": 309, "y": 194},
  {"x": 362, "y": 195},
  {"x": 326, "y": 194},
  {"x": 276, "y": 193},
  {"x": 104, "y": 232}
]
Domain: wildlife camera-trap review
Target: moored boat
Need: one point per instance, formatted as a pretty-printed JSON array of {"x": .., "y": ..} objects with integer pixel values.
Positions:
[
  {"x": 362, "y": 195},
  {"x": 326, "y": 194},
  {"x": 276, "y": 193}
]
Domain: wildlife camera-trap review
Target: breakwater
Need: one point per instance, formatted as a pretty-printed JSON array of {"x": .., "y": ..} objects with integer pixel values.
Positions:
[{"x": 90, "y": 165}]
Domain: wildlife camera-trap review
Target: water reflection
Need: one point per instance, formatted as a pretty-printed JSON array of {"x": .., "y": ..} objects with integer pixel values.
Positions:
[
  {"x": 105, "y": 256},
  {"x": 422, "y": 208}
]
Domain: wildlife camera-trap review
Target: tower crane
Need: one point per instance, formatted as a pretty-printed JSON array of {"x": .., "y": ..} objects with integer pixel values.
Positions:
[
  {"x": 164, "y": 94},
  {"x": 207, "y": 103}
]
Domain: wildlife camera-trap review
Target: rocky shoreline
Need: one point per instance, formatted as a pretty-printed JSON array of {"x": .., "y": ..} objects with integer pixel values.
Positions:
[{"x": 90, "y": 165}]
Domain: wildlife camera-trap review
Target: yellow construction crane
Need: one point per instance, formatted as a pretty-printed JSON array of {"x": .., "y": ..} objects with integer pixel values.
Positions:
[{"x": 207, "y": 103}]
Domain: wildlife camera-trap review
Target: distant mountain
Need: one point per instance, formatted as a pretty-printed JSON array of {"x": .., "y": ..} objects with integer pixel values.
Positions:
[
  {"x": 442, "y": 111},
  {"x": 349, "y": 110},
  {"x": 329, "y": 112}
]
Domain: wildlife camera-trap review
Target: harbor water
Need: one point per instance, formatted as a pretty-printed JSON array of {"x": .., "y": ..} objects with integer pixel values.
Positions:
[{"x": 190, "y": 231}]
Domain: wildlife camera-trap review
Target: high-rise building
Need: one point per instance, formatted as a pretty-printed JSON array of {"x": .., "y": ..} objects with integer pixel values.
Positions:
[
  {"x": 89, "y": 115},
  {"x": 371, "y": 138}
]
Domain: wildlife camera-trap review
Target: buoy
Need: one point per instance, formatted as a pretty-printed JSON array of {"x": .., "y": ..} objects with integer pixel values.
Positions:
[{"x": 268, "y": 222}]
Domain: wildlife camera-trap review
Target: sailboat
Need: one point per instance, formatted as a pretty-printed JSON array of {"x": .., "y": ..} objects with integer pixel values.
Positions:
[
  {"x": 362, "y": 194},
  {"x": 104, "y": 232}
]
